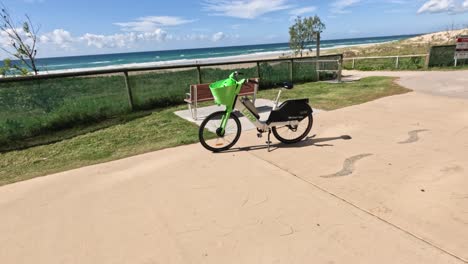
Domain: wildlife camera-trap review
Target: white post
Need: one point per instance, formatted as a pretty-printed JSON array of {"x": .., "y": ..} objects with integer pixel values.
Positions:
[
  {"x": 456, "y": 61},
  {"x": 354, "y": 62},
  {"x": 428, "y": 58},
  {"x": 317, "y": 64},
  {"x": 397, "y": 63}
]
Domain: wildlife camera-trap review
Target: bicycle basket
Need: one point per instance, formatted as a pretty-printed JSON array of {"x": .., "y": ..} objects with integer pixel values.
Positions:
[{"x": 224, "y": 91}]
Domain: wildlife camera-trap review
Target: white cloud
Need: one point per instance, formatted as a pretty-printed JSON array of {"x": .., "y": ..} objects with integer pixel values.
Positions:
[
  {"x": 157, "y": 34},
  {"x": 109, "y": 41},
  {"x": 246, "y": 9},
  {"x": 436, "y": 6},
  {"x": 444, "y": 6},
  {"x": 194, "y": 37},
  {"x": 5, "y": 40},
  {"x": 63, "y": 39},
  {"x": 341, "y": 6},
  {"x": 303, "y": 10},
  {"x": 151, "y": 23},
  {"x": 398, "y": 2},
  {"x": 218, "y": 36},
  {"x": 58, "y": 37},
  {"x": 125, "y": 40}
]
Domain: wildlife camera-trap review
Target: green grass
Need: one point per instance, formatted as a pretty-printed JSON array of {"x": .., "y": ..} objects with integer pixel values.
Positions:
[
  {"x": 458, "y": 68},
  {"x": 56, "y": 136},
  {"x": 328, "y": 96},
  {"x": 416, "y": 63},
  {"x": 161, "y": 129},
  {"x": 31, "y": 108},
  {"x": 441, "y": 56}
]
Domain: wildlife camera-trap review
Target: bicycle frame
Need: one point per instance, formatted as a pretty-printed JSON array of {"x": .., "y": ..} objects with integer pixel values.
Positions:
[{"x": 239, "y": 105}]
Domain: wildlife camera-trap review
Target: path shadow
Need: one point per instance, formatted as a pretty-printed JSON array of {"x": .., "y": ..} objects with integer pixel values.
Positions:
[
  {"x": 413, "y": 136},
  {"x": 311, "y": 141}
]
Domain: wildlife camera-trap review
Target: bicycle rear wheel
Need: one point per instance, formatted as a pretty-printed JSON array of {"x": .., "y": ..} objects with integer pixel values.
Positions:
[
  {"x": 211, "y": 136},
  {"x": 294, "y": 134}
]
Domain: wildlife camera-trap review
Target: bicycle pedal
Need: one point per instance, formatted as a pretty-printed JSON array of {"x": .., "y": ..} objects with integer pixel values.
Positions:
[
  {"x": 259, "y": 135},
  {"x": 268, "y": 142}
]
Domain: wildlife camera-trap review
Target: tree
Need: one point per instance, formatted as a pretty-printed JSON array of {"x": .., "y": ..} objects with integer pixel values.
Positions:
[
  {"x": 304, "y": 32},
  {"x": 8, "y": 65},
  {"x": 23, "y": 38}
]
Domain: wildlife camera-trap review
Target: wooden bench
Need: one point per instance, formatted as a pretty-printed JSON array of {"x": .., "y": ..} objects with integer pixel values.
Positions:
[{"x": 202, "y": 93}]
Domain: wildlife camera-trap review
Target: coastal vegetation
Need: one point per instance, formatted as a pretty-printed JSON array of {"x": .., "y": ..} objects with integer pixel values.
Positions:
[
  {"x": 23, "y": 40},
  {"x": 418, "y": 45},
  {"x": 441, "y": 59},
  {"x": 146, "y": 131}
]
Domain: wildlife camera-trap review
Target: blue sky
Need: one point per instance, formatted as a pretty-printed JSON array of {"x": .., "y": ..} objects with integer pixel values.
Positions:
[{"x": 101, "y": 26}]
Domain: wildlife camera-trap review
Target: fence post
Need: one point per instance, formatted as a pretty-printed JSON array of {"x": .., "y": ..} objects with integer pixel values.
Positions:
[
  {"x": 428, "y": 58},
  {"x": 199, "y": 75},
  {"x": 317, "y": 63},
  {"x": 129, "y": 90},
  {"x": 258, "y": 69},
  {"x": 397, "y": 62},
  {"x": 340, "y": 69},
  {"x": 291, "y": 71},
  {"x": 354, "y": 62}
]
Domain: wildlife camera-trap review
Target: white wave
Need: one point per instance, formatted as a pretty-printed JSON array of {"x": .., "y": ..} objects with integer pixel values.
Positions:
[
  {"x": 60, "y": 65},
  {"x": 255, "y": 50},
  {"x": 252, "y": 56},
  {"x": 100, "y": 62}
]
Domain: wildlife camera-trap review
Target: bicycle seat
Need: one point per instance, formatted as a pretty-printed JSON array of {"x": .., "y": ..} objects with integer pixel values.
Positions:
[{"x": 285, "y": 85}]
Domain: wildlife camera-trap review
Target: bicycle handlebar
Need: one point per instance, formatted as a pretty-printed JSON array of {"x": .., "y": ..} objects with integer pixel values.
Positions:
[{"x": 235, "y": 74}]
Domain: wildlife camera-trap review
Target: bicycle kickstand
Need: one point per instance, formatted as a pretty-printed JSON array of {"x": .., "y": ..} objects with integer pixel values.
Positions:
[{"x": 269, "y": 141}]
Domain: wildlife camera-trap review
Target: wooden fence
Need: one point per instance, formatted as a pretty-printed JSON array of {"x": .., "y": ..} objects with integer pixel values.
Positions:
[
  {"x": 126, "y": 70},
  {"x": 396, "y": 58},
  {"x": 334, "y": 63}
]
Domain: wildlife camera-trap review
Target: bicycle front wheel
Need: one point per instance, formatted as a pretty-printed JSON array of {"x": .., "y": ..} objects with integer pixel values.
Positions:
[{"x": 213, "y": 138}]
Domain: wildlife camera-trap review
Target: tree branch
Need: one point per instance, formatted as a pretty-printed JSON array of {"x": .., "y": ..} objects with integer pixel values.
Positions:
[{"x": 24, "y": 52}]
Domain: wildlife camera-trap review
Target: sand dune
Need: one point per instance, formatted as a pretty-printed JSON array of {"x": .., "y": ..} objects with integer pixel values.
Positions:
[{"x": 442, "y": 37}]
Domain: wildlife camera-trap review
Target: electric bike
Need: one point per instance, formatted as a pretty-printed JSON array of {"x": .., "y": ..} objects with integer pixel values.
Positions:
[{"x": 290, "y": 122}]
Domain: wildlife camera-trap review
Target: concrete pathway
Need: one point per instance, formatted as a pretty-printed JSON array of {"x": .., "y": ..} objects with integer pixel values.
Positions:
[
  {"x": 446, "y": 83},
  {"x": 396, "y": 192}
]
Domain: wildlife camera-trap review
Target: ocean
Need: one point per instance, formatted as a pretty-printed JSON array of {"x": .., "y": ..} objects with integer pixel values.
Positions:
[{"x": 188, "y": 56}]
